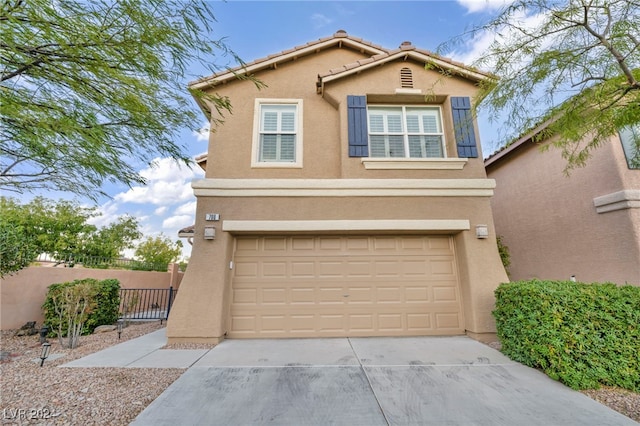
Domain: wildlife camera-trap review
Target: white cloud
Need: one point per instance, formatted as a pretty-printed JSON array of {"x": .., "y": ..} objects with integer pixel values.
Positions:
[
  {"x": 160, "y": 211},
  {"x": 174, "y": 223},
  {"x": 474, "y": 6},
  {"x": 168, "y": 183},
  {"x": 202, "y": 134},
  {"x": 476, "y": 47},
  {"x": 319, "y": 20},
  {"x": 108, "y": 214},
  {"x": 187, "y": 208}
]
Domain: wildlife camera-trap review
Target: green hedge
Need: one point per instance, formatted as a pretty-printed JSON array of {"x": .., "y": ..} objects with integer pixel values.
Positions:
[
  {"x": 107, "y": 301},
  {"x": 584, "y": 335}
]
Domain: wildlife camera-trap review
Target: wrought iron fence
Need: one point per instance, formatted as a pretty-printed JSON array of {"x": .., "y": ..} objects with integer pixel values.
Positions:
[
  {"x": 71, "y": 260},
  {"x": 146, "y": 303}
]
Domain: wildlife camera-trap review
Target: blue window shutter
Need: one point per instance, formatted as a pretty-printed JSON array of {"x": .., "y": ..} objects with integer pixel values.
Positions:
[
  {"x": 357, "y": 124},
  {"x": 463, "y": 126}
]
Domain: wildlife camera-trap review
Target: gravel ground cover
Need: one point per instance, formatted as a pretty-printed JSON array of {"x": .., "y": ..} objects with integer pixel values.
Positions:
[
  {"x": 48, "y": 395},
  {"x": 30, "y": 394}
]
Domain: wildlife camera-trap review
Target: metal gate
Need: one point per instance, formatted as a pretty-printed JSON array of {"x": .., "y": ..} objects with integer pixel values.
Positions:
[{"x": 146, "y": 303}]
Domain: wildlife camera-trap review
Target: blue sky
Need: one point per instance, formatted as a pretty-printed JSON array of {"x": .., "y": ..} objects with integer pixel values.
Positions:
[{"x": 254, "y": 29}]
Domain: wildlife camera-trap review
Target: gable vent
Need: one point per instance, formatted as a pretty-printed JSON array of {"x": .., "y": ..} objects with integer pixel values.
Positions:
[{"x": 406, "y": 78}]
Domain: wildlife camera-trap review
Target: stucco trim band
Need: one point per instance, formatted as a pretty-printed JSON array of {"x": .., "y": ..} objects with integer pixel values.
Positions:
[
  {"x": 626, "y": 199},
  {"x": 414, "y": 164},
  {"x": 343, "y": 187},
  {"x": 250, "y": 226}
]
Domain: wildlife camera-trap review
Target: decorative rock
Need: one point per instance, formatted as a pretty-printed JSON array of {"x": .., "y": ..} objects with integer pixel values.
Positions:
[
  {"x": 104, "y": 329},
  {"x": 29, "y": 329}
]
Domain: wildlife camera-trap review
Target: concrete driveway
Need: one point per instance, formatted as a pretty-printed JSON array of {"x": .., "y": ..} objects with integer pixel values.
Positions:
[{"x": 368, "y": 381}]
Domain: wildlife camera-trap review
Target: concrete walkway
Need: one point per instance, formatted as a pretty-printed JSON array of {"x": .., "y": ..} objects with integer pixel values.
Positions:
[
  {"x": 141, "y": 352},
  {"x": 354, "y": 381}
]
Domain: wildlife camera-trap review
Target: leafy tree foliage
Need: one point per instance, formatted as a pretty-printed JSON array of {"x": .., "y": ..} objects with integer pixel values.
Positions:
[
  {"x": 53, "y": 227},
  {"x": 111, "y": 240},
  {"x": 571, "y": 65},
  {"x": 158, "y": 251},
  {"x": 16, "y": 251},
  {"x": 93, "y": 90},
  {"x": 61, "y": 229}
]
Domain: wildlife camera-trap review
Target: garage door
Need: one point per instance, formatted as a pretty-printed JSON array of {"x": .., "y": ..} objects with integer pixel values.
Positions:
[{"x": 333, "y": 286}]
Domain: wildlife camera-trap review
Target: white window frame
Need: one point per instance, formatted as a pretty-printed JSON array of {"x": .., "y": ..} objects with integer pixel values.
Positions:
[
  {"x": 405, "y": 133},
  {"x": 257, "y": 120}
]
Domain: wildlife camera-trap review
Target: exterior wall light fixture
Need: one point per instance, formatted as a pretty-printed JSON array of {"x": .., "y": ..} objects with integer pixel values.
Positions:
[
  {"x": 482, "y": 232},
  {"x": 209, "y": 233}
]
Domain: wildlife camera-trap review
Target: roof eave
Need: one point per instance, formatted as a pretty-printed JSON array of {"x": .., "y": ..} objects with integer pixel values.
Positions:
[
  {"x": 471, "y": 74},
  {"x": 274, "y": 60},
  {"x": 507, "y": 150}
]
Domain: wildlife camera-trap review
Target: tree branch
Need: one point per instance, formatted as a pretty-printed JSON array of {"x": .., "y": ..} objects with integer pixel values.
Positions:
[{"x": 605, "y": 42}]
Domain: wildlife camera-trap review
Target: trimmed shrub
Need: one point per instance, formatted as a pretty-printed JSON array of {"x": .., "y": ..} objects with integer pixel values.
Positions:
[
  {"x": 584, "y": 335},
  {"x": 107, "y": 304},
  {"x": 104, "y": 305}
]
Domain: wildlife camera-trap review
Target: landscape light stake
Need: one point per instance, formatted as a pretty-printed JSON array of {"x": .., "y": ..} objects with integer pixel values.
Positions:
[
  {"x": 119, "y": 329},
  {"x": 43, "y": 333},
  {"x": 46, "y": 347}
]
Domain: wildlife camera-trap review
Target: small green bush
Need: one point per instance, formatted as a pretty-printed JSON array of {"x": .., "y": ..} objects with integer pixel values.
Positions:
[
  {"x": 105, "y": 311},
  {"x": 107, "y": 304},
  {"x": 505, "y": 255},
  {"x": 584, "y": 335}
]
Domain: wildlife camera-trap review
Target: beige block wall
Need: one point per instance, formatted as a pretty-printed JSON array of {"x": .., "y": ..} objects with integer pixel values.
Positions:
[
  {"x": 22, "y": 294},
  {"x": 549, "y": 222}
]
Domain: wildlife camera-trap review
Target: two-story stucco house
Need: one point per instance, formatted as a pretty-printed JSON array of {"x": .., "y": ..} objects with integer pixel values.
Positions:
[
  {"x": 586, "y": 224},
  {"x": 346, "y": 198}
]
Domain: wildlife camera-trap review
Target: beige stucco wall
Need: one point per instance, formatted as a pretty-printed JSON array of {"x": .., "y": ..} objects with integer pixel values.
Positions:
[
  {"x": 549, "y": 221},
  {"x": 22, "y": 294},
  {"x": 325, "y": 127},
  {"x": 200, "y": 312},
  {"x": 207, "y": 283}
]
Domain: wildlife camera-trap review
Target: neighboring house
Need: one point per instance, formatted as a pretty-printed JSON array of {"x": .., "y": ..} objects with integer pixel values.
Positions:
[
  {"x": 340, "y": 201},
  {"x": 586, "y": 224}
]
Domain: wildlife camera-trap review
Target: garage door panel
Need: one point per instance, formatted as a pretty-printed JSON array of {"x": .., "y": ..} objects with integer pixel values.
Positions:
[
  {"x": 447, "y": 321},
  {"x": 246, "y": 269},
  {"x": 440, "y": 268},
  {"x": 301, "y": 244},
  {"x": 416, "y": 294},
  {"x": 345, "y": 286},
  {"x": 303, "y": 296},
  {"x": 275, "y": 245},
  {"x": 274, "y": 269},
  {"x": 331, "y": 296},
  {"x": 303, "y": 269},
  {"x": 444, "y": 294}
]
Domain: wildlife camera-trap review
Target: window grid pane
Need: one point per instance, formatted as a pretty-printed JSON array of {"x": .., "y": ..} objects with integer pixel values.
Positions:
[
  {"x": 277, "y": 133},
  {"x": 423, "y": 137}
]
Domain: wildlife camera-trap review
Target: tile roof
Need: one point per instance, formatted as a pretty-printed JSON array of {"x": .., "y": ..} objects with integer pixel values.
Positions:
[
  {"x": 407, "y": 48},
  {"x": 340, "y": 36}
]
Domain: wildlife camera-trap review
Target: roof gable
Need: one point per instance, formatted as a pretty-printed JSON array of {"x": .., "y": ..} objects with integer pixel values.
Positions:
[
  {"x": 378, "y": 55},
  {"x": 405, "y": 52},
  {"x": 340, "y": 39}
]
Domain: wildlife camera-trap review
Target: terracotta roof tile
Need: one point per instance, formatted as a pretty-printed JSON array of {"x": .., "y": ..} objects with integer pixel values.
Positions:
[{"x": 339, "y": 35}]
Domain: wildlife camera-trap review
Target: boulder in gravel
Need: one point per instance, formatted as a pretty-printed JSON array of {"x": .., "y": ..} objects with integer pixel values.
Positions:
[
  {"x": 29, "y": 329},
  {"x": 104, "y": 329}
]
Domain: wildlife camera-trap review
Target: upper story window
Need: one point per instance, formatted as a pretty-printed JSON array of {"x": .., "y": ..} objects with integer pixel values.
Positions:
[
  {"x": 630, "y": 138},
  {"x": 404, "y": 131},
  {"x": 277, "y": 138}
]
